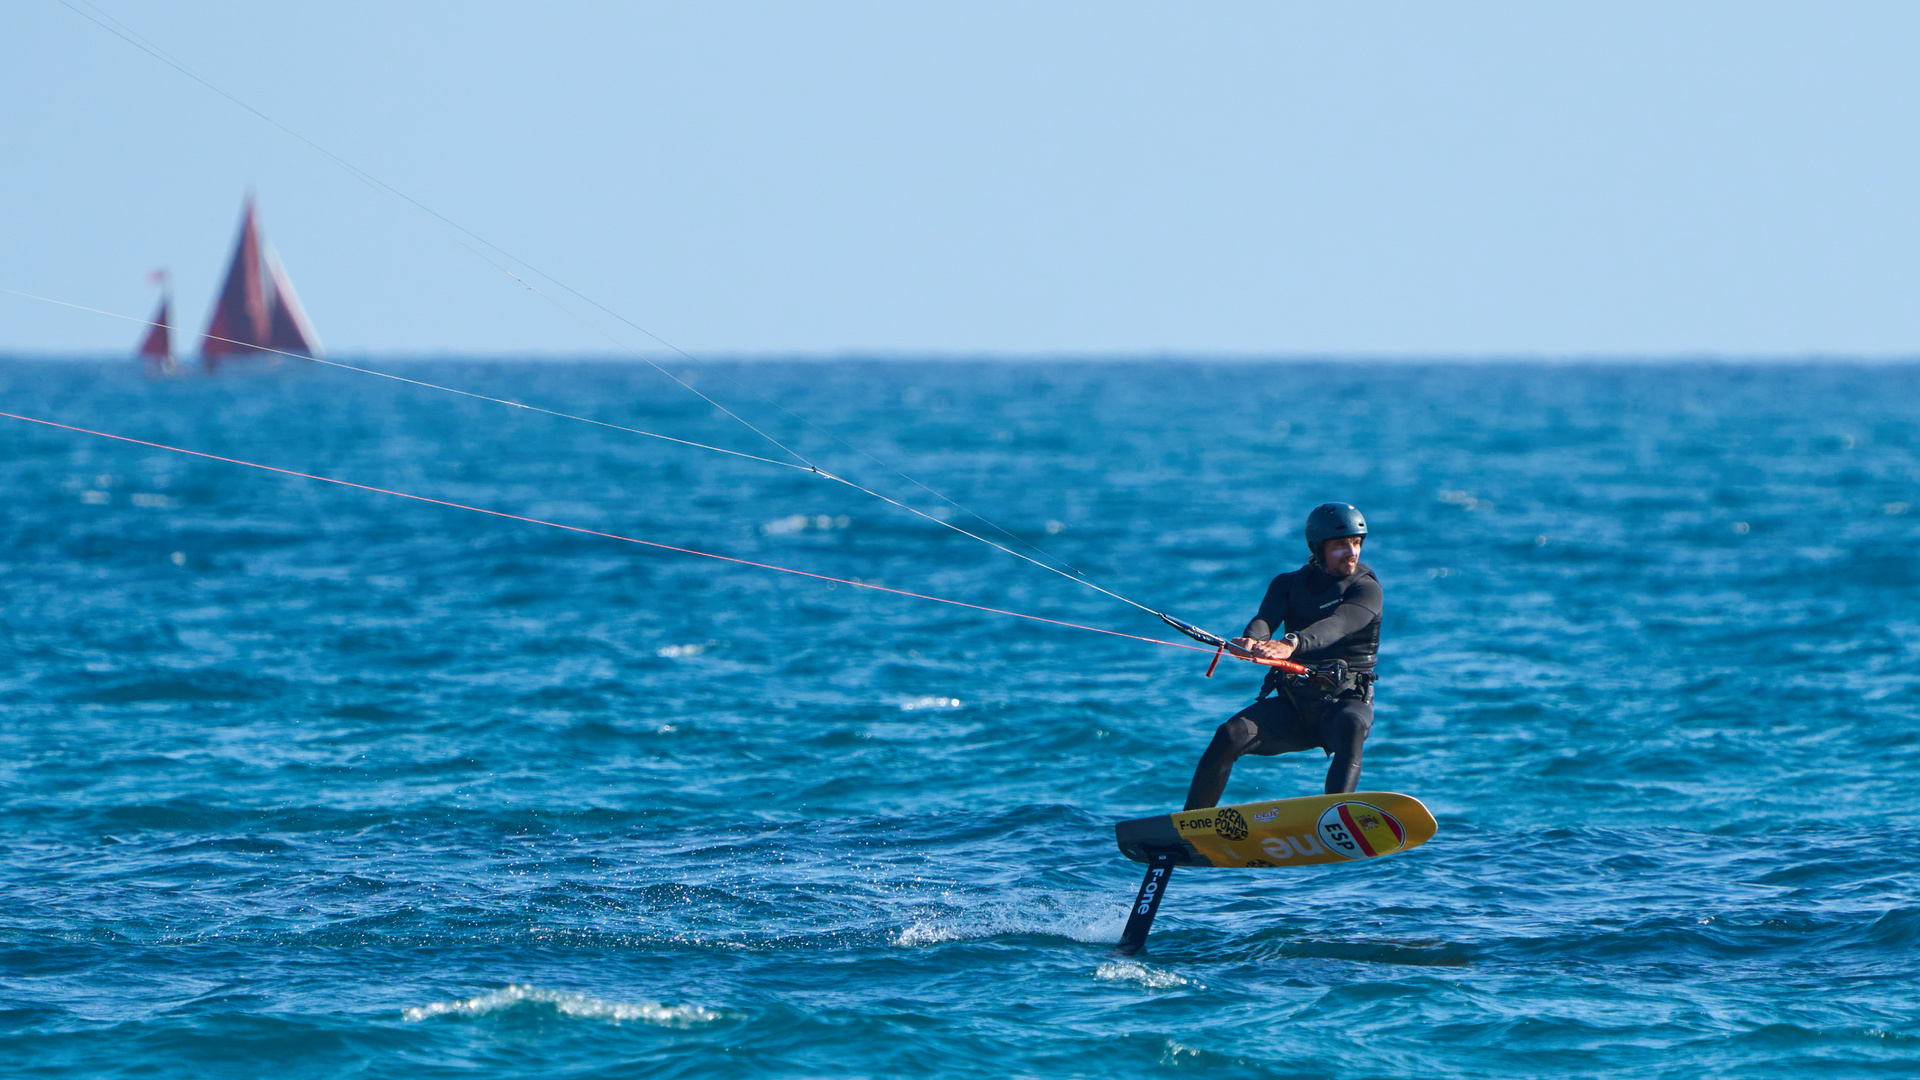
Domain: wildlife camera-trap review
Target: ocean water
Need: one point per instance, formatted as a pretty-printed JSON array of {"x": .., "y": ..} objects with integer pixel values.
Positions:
[{"x": 305, "y": 781}]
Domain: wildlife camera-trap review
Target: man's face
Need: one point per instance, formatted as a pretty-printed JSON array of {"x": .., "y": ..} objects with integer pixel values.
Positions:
[{"x": 1341, "y": 555}]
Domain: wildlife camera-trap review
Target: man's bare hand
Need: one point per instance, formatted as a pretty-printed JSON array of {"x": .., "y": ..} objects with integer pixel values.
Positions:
[{"x": 1269, "y": 650}]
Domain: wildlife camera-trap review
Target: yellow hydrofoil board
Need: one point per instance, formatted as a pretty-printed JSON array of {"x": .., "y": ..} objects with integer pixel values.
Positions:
[
  {"x": 1310, "y": 831},
  {"x": 1283, "y": 832}
]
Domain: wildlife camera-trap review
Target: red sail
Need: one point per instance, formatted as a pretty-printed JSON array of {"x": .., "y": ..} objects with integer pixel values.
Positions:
[
  {"x": 287, "y": 327},
  {"x": 239, "y": 325},
  {"x": 157, "y": 347}
]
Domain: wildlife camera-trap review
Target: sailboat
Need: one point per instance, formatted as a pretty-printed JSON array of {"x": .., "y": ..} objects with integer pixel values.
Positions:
[
  {"x": 156, "y": 348},
  {"x": 257, "y": 312}
]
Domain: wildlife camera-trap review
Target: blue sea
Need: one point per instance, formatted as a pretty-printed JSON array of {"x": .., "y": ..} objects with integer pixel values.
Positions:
[{"x": 306, "y": 781}]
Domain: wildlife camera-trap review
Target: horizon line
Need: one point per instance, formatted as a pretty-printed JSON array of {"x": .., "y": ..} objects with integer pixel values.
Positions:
[{"x": 995, "y": 356}]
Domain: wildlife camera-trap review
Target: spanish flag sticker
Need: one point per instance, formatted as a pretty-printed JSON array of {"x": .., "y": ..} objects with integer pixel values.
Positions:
[{"x": 1359, "y": 830}]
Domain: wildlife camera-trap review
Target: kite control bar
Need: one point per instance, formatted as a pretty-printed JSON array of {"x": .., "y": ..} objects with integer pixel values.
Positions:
[
  {"x": 1220, "y": 646},
  {"x": 1192, "y": 631}
]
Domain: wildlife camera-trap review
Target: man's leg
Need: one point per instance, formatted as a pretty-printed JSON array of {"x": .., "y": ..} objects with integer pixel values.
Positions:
[
  {"x": 1343, "y": 729},
  {"x": 1264, "y": 727}
]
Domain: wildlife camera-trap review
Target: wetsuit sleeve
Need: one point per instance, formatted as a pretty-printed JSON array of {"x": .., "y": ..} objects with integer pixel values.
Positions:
[
  {"x": 1273, "y": 606},
  {"x": 1360, "y": 606}
]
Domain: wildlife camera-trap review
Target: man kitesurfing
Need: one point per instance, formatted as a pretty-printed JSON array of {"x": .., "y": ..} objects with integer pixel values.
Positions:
[
  {"x": 1330, "y": 612},
  {"x": 1318, "y": 693}
]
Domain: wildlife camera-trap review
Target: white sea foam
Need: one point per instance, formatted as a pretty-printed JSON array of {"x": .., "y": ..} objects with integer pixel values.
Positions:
[
  {"x": 924, "y": 933},
  {"x": 1133, "y": 971},
  {"x": 1175, "y": 1051},
  {"x": 794, "y": 523},
  {"x": 675, "y": 652},
  {"x": 930, "y": 703},
  {"x": 1098, "y": 923},
  {"x": 581, "y": 1006}
]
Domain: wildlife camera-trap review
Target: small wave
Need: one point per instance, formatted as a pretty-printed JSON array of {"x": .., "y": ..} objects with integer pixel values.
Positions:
[
  {"x": 930, "y": 703},
  {"x": 924, "y": 933},
  {"x": 1135, "y": 972},
  {"x": 675, "y": 652},
  {"x": 1175, "y": 1051},
  {"x": 1181, "y": 1055},
  {"x": 582, "y": 1006}
]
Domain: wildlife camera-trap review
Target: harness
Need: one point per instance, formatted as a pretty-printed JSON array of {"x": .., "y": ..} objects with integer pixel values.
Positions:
[{"x": 1322, "y": 682}]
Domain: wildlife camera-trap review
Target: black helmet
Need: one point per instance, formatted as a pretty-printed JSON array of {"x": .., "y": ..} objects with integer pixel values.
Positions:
[{"x": 1330, "y": 521}]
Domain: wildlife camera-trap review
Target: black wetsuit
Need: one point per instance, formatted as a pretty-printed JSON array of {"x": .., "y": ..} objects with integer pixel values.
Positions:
[{"x": 1334, "y": 619}]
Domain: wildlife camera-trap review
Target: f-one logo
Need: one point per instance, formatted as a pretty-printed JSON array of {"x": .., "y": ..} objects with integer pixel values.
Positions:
[
  {"x": 1149, "y": 889},
  {"x": 1286, "y": 847},
  {"x": 1225, "y": 823}
]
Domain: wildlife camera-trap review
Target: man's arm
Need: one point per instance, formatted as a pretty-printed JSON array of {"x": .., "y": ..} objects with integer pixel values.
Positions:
[
  {"x": 1359, "y": 607},
  {"x": 1257, "y": 640}
]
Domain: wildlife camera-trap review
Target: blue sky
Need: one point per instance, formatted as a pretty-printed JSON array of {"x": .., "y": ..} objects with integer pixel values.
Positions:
[{"x": 1250, "y": 179}]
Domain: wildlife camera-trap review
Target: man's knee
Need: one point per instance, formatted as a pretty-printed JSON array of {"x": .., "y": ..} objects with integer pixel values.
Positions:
[
  {"x": 1349, "y": 726},
  {"x": 1235, "y": 736}
]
